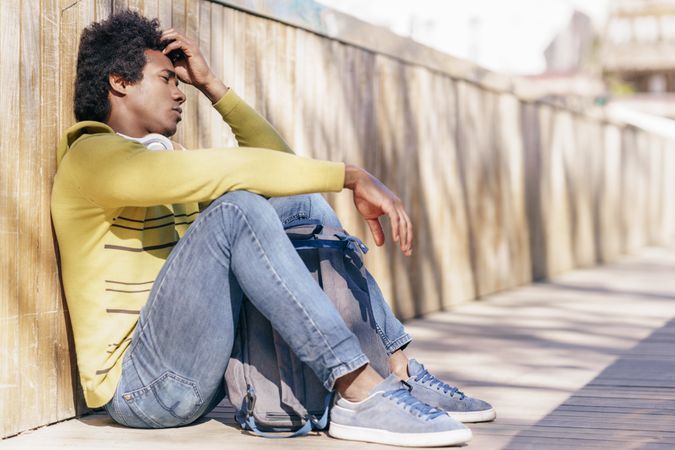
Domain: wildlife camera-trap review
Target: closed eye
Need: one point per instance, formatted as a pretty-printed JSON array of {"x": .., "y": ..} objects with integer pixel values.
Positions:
[{"x": 167, "y": 75}]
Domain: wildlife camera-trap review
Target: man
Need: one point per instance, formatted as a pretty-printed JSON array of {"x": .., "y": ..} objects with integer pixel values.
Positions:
[{"x": 159, "y": 247}]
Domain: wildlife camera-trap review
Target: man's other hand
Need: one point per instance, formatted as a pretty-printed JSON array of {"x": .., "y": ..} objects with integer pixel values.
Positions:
[
  {"x": 373, "y": 199},
  {"x": 192, "y": 68}
]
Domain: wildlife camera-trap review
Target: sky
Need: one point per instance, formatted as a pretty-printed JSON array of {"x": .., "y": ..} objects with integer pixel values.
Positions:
[{"x": 507, "y": 36}]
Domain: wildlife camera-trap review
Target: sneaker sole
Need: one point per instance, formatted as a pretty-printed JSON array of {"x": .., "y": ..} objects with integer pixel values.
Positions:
[
  {"x": 473, "y": 416},
  {"x": 436, "y": 439}
]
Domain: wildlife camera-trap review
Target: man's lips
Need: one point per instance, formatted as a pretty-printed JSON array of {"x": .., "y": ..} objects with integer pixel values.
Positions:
[{"x": 179, "y": 111}]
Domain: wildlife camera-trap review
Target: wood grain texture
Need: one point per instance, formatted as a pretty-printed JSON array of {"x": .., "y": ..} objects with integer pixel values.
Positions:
[
  {"x": 501, "y": 190},
  {"x": 10, "y": 307},
  {"x": 31, "y": 306},
  {"x": 47, "y": 286}
]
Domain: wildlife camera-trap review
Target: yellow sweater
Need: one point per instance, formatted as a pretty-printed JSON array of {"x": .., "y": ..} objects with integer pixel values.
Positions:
[{"x": 118, "y": 209}]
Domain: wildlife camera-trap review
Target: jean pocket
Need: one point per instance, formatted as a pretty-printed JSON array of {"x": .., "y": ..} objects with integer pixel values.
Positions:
[{"x": 168, "y": 401}]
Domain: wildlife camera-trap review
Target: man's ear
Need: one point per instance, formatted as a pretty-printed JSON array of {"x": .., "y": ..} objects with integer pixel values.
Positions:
[{"x": 118, "y": 84}]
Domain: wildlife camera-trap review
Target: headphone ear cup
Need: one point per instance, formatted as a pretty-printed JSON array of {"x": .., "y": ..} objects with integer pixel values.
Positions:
[{"x": 156, "y": 141}]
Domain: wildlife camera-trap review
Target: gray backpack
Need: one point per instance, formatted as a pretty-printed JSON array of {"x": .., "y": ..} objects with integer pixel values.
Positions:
[{"x": 267, "y": 384}]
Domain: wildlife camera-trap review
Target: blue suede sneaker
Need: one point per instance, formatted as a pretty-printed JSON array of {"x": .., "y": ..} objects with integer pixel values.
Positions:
[
  {"x": 435, "y": 392},
  {"x": 391, "y": 415}
]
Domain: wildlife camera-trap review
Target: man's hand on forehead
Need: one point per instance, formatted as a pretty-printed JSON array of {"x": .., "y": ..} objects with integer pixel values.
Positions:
[{"x": 191, "y": 66}]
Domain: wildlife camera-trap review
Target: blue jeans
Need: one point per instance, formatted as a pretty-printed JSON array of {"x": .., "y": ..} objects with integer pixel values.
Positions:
[{"x": 173, "y": 372}]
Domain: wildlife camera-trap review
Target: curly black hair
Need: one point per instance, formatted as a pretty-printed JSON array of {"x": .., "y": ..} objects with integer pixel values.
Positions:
[{"x": 115, "y": 45}]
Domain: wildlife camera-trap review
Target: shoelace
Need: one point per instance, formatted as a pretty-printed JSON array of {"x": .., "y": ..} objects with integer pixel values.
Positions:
[
  {"x": 403, "y": 396},
  {"x": 425, "y": 377}
]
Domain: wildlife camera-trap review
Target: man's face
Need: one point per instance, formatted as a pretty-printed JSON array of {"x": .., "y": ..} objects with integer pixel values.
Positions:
[{"x": 155, "y": 101}]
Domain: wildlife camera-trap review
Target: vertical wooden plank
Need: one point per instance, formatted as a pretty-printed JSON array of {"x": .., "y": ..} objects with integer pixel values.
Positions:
[
  {"x": 165, "y": 13},
  {"x": 119, "y": 5},
  {"x": 136, "y": 5},
  {"x": 597, "y": 174},
  {"x": 452, "y": 230},
  {"x": 579, "y": 189},
  {"x": 285, "y": 104},
  {"x": 302, "y": 96},
  {"x": 482, "y": 158},
  {"x": 239, "y": 57},
  {"x": 103, "y": 9},
  {"x": 391, "y": 167},
  {"x": 48, "y": 287},
  {"x": 178, "y": 22},
  {"x": 68, "y": 43},
  {"x": 251, "y": 29},
  {"x": 276, "y": 71},
  {"x": 10, "y": 20},
  {"x": 669, "y": 190},
  {"x": 420, "y": 266},
  {"x": 150, "y": 8},
  {"x": 357, "y": 131},
  {"x": 531, "y": 131},
  {"x": 511, "y": 146},
  {"x": 634, "y": 189},
  {"x": 190, "y": 116},
  {"x": 30, "y": 306},
  {"x": 610, "y": 199},
  {"x": 645, "y": 153},
  {"x": 217, "y": 61},
  {"x": 442, "y": 262},
  {"x": 86, "y": 14},
  {"x": 69, "y": 39},
  {"x": 204, "y": 108},
  {"x": 655, "y": 189},
  {"x": 558, "y": 229},
  {"x": 232, "y": 61}
]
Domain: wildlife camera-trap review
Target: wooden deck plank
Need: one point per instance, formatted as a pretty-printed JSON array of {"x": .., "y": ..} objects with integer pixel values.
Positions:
[{"x": 584, "y": 361}]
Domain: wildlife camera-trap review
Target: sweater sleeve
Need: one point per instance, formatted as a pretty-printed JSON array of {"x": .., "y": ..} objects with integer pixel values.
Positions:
[
  {"x": 249, "y": 127},
  {"x": 111, "y": 172}
]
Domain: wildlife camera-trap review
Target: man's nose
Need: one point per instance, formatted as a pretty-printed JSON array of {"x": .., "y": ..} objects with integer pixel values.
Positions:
[{"x": 179, "y": 96}]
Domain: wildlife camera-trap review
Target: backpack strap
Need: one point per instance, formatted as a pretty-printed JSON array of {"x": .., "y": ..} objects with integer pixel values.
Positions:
[
  {"x": 244, "y": 417},
  {"x": 310, "y": 234},
  {"x": 328, "y": 237}
]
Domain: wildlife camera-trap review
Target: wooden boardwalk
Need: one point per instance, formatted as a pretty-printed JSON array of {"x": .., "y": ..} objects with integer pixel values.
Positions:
[{"x": 584, "y": 361}]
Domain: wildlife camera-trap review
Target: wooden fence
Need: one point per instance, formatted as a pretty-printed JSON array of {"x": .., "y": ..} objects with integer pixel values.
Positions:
[{"x": 501, "y": 190}]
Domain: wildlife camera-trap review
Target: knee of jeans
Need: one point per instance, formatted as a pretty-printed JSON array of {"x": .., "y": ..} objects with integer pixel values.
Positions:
[
  {"x": 305, "y": 206},
  {"x": 322, "y": 211},
  {"x": 249, "y": 203}
]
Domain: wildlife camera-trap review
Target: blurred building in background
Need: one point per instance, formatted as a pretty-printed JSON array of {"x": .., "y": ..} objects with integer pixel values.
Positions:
[
  {"x": 576, "y": 53},
  {"x": 638, "y": 54},
  {"x": 573, "y": 72}
]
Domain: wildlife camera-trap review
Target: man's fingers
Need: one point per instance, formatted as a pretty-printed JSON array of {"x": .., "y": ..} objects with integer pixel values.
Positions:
[
  {"x": 172, "y": 34},
  {"x": 376, "y": 230},
  {"x": 405, "y": 227},
  {"x": 401, "y": 226},
  {"x": 395, "y": 226},
  {"x": 172, "y": 46},
  {"x": 178, "y": 41},
  {"x": 409, "y": 231},
  {"x": 402, "y": 231}
]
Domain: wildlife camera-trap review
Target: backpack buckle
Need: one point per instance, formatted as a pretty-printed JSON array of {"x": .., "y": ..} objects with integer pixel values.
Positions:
[{"x": 249, "y": 400}]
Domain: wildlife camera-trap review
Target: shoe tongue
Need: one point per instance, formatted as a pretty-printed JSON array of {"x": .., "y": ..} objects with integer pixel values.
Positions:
[
  {"x": 391, "y": 383},
  {"x": 414, "y": 367}
]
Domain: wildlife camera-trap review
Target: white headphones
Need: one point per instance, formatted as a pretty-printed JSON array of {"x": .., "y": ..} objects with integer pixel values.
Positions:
[{"x": 152, "y": 141}]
